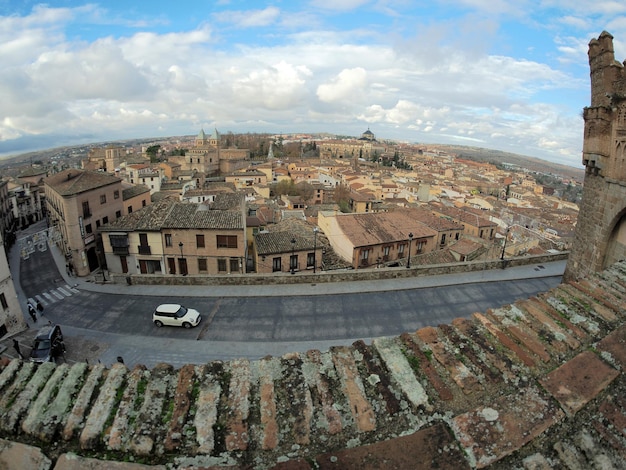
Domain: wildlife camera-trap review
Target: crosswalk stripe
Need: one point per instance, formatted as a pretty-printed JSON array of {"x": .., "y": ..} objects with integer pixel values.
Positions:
[
  {"x": 57, "y": 295},
  {"x": 64, "y": 292},
  {"x": 48, "y": 296}
]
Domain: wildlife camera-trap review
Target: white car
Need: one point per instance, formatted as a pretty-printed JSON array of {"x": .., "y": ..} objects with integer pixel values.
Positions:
[{"x": 175, "y": 315}]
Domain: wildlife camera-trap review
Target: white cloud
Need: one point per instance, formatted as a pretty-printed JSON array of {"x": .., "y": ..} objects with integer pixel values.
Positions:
[
  {"x": 249, "y": 18},
  {"x": 347, "y": 85}
]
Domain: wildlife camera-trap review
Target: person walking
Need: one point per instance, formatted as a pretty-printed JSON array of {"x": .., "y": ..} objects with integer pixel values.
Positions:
[
  {"x": 16, "y": 346},
  {"x": 39, "y": 306},
  {"x": 32, "y": 312}
]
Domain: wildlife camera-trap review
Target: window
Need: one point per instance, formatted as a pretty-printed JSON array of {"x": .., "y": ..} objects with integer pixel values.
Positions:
[
  {"x": 310, "y": 259},
  {"x": 365, "y": 254},
  {"x": 3, "y": 301},
  {"x": 168, "y": 239},
  {"x": 221, "y": 265},
  {"x": 143, "y": 248},
  {"x": 118, "y": 214},
  {"x": 88, "y": 228},
  {"x": 456, "y": 237},
  {"x": 200, "y": 241},
  {"x": 401, "y": 250},
  {"x": 443, "y": 238},
  {"x": 202, "y": 265},
  {"x": 143, "y": 203},
  {"x": 116, "y": 194},
  {"x": 119, "y": 243},
  {"x": 386, "y": 251},
  {"x": 130, "y": 209},
  {"x": 105, "y": 220},
  {"x": 420, "y": 246},
  {"x": 276, "y": 266},
  {"x": 86, "y": 211},
  {"x": 226, "y": 241},
  {"x": 103, "y": 198},
  {"x": 234, "y": 265},
  {"x": 97, "y": 224}
]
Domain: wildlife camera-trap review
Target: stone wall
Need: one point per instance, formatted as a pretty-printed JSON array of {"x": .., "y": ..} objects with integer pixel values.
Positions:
[
  {"x": 322, "y": 277},
  {"x": 604, "y": 198}
]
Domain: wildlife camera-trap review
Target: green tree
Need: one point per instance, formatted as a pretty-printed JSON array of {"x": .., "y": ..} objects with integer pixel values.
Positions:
[{"x": 153, "y": 152}]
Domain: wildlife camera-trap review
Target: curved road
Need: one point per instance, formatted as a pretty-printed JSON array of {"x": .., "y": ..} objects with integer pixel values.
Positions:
[{"x": 299, "y": 322}]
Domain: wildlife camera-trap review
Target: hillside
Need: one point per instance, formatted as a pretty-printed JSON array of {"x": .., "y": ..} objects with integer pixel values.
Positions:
[{"x": 499, "y": 157}]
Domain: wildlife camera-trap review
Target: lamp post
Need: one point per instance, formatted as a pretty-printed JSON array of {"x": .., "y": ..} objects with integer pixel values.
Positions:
[
  {"x": 293, "y": 251},
  {"x": 408, "y": 262},
  {"x": 180, "y": 245},
  {"x": 506, "y": 236},
  {"x": 315, "y": 230}
]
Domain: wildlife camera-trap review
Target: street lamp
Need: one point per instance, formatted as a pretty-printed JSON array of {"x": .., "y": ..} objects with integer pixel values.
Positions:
[
  {"x": 408, "y": 263},
  {"x": 506, "y": 236},
  {"x": 293, "y": 251},
  {"x": 180, "y": 262},
  {"x": 315, "y": 230}
]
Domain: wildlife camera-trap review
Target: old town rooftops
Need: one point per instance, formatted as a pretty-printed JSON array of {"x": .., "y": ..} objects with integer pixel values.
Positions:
[{"x": 169, "y": 213}]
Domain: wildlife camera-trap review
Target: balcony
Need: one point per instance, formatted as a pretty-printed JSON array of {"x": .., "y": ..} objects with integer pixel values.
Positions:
[
  {"x": 144, "y": 250},
  {"x": 120, "y": 250}
]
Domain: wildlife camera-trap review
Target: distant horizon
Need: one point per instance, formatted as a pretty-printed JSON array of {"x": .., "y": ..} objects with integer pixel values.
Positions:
[
  {"x": 504, "y": 75},
  {"x": 4, "y": 157}
]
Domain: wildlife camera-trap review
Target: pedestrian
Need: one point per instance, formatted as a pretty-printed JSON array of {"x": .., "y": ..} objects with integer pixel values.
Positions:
[
  {"x": 32, "y": 312},
  {"x": 16, "y": 345},
  {"x": 67, "y": 268},
  {"x": 39, "y": 306}
]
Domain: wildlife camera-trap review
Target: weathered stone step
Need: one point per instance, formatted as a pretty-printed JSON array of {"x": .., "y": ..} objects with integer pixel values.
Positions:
[
  {"x": 103, "y": 407},
  {"x": 298, "y": 416},
  {"x": 119, "y": 435},
  {"x": 511, "y": 322},
  {"x": 149, "y": 423},
  {"x": 26, "y": 396},
  {"x": 238, "y": 404},
  {"x": 76, "y": 417},
  {"x": 422, "y": 363},
  {"x": 315, "y": 369},
  {"x": 209, "y": 391},
  {"x": 363, "y": 415}
]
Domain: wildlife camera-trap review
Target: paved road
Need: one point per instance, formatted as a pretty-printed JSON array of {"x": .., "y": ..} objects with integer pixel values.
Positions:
[{"x": 114, "y": 320}]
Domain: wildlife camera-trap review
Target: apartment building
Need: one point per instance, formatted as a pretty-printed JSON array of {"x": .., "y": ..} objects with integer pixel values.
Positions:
[
  {"x": 11, "y": 316},
  {"x": 366, "y": 240},
  {"x": 175, "y": 238},
  {"x": 286, "y": 252},
  {"x": 78, "y": 203}
]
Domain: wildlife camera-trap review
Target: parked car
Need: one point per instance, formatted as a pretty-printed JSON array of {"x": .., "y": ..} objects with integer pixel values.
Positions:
[
  {"x": 175, "y": 315},
  {"x": 48, "y": 344}
]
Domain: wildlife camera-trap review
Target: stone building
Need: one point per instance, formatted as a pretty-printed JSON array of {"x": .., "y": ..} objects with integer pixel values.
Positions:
[
  {"x": 600, "y": 238},
  {"x": 11, "y": 316},
  {"x": 207, "y": 157},
  {"x": 173, "y": 238},
  {"x": 78, "y": 203}
]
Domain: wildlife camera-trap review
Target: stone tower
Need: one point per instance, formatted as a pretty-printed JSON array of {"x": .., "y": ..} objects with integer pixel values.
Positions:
[{"x": 600, "y": 238}]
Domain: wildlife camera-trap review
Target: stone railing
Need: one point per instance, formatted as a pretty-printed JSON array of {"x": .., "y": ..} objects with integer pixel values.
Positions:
[{"x": 321, "y": 277}]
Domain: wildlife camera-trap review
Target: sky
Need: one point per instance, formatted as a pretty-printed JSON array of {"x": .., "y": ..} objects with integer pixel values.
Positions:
[{"x": 499, "y": 74}]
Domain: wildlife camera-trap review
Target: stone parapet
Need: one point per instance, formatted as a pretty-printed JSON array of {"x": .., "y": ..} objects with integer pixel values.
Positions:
[{"x": 325, "y": 277}]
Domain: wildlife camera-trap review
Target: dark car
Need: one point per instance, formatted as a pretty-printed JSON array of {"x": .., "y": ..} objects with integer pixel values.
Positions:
[{"x": 48, "y": 344}]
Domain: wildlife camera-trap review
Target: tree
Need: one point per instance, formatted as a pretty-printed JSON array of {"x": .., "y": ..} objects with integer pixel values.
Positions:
[
  {"x": 152, "y": 152},
  {"x": 342, "y": 197},
  {"x": 285, "y": 187},
  {"x": 305, "y": 190}
]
